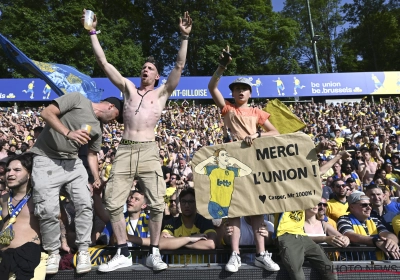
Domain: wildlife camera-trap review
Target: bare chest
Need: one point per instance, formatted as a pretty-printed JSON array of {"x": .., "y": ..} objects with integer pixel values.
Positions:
[
  {"x": 371, "y": 167},
  {"x": 143, "y": 105},
  {"x": 25, "y": 216},
  {"x": 26, "y": 226}
]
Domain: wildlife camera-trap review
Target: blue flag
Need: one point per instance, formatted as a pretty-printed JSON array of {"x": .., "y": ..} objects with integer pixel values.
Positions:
[{"x": 61, "y": 78}]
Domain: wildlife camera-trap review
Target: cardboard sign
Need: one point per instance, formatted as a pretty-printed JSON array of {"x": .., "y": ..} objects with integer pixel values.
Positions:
[{"x": 275, "y": 174}]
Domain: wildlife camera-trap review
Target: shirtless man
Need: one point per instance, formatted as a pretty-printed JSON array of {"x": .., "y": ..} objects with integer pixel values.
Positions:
[
  {"x": 138, "y": 154},
  {"x": 25, "y": 229},
  {"x": 367, "y": 169}
]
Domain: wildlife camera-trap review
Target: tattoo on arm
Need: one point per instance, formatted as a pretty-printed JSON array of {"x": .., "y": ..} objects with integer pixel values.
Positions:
[{"x": 36, "y": 238}]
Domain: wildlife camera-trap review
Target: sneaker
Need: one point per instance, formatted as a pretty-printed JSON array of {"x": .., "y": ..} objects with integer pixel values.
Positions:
[
  {"x": 265, "y": 261},
  {"x": 53, "y": 262},
  {"x": 234, "y": 263},
  {"x": 154, "y": 260},
  {"x": 118, "y": 261},
  {"x": 84, "y": 264}
]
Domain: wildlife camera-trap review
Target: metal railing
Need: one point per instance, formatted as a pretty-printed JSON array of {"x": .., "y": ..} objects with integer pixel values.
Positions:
[{"x": 189, "y": 257}]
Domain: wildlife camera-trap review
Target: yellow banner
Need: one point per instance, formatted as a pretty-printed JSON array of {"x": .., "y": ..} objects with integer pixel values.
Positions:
[{"x": 282, "y": 118}]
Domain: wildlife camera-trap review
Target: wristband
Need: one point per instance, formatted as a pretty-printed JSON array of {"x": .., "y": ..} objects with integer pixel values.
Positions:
[
  {"x": 217, "y": 75},
  {"x": 184, "y": 37},
  {"x": 374, "y": 240},
  {"x": 66, "y": 135},
  {"x": 94, "y": 32}
]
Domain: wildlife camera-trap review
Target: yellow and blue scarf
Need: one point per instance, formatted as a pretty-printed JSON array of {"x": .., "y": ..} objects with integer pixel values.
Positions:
[
  {"x": 142, "y": 227},
  {"x": 372, "y": 230},
  {"x": 7, "y": 234}
]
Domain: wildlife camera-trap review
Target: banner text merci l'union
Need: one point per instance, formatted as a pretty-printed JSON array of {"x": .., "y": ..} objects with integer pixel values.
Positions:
[{"x": 280, "y": 175}]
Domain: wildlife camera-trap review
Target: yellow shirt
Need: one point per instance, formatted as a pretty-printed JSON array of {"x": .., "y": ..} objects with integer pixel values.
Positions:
[
  {"x": 328, "y": 173},
  {"x": 221, "y": 183},
  {"x": 166, "y": 160},
  {"x": 339, "y": 141},
  {"x": 396, "y": 224},
  {"x": 107, "y": 170},
  {"x": 290, "y": 222},
  {"x": 332, "y": 223},
  {"x": 177, "y": 228},
  {"x": 336, "y": 209},
  {"x": 393, "y": 177}
]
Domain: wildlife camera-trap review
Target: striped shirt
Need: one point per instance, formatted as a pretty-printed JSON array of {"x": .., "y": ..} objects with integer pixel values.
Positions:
[{"x": 344, "y": 225}]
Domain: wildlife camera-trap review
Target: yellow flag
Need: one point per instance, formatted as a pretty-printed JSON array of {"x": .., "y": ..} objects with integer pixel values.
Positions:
[{"x": 282, "y": 118}]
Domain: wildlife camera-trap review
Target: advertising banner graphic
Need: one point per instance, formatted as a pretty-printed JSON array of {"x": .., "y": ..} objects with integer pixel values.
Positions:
[{"x": 60, "y": 79}]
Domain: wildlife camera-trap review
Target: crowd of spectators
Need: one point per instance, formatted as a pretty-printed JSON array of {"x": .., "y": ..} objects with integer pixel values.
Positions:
[{"x": 360, "y": 188}]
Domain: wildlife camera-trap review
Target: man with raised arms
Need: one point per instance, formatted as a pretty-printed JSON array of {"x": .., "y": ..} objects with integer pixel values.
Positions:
[{"x": 137, "y": 154}]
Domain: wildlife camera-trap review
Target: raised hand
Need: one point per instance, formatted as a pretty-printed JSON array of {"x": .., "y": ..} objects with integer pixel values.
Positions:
[
  {"x": 345, "y": 154},
  {"x": 225, "y": 58},
  {"x": 185, "y": 24},
  {"x": 94, "y": 24}
]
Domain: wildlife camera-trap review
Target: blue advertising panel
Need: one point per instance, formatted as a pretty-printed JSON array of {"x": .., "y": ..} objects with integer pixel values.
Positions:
[
  {"x": 267, "y": 86},
  {"x": 58, "y": 79}
]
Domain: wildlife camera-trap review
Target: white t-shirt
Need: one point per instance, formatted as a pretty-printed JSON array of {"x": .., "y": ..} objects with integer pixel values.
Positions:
[{"x": 131, "y": 230}]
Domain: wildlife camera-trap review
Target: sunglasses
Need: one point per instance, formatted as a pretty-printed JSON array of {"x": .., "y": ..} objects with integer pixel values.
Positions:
[
  {"x": 341, "y": 186},
  {"x": 188, "y": 202},
  {"x": 365, "y": 205},
  {"x": 322, "y": 204}
]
